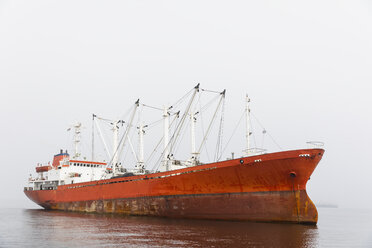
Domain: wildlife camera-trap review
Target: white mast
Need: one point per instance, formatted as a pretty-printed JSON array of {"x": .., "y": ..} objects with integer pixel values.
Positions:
[
  {"x": 115, "y": 130},
  {"x": 166, "y": 138},
  {"x": 93, "y": 115},
  {"x": 141, "y": 159},
  {"x": 192, "y": 128},
  {"x": 194, "y": 153},
  {"x": 247, "y": 126},
  {"x": 77, "y": 128}
]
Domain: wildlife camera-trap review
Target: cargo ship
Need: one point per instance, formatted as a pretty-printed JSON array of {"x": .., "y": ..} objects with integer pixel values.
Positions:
[{"x": 257, "y": 186}]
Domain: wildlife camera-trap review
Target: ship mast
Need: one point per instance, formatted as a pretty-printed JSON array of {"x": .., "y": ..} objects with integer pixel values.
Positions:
[
  {"x": 93, "y": 115},
  {"x": 194, "y": 153},
  {"x": 141, "y": 159},
  {"x": 247, "y": 126},
  {"x": 166, "y": 138},
  {"x": 77, "y": 128},
  {"x": 115, "y": 130}
]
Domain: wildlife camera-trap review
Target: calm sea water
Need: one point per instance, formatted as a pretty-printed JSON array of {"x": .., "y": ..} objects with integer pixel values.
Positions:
[{"x": 40, "y": 228}]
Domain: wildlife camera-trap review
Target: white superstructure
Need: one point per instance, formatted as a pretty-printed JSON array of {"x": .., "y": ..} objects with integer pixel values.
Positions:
[{"x": 66, "y": 171}]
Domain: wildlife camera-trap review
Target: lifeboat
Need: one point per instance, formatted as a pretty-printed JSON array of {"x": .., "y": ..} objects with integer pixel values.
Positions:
[{"x": 43, "y": 168}]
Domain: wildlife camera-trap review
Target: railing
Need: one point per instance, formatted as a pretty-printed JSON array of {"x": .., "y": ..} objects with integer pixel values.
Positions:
[
  {"x": 255, "y": 151},
  {"x": 315, "y": 144}
]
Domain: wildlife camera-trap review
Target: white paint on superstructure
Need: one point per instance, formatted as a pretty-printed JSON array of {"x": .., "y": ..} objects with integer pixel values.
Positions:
[{"x": 69, "y": 172}]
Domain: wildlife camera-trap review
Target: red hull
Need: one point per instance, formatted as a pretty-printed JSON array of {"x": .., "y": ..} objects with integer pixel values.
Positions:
[{"x": 269, "y": 187}]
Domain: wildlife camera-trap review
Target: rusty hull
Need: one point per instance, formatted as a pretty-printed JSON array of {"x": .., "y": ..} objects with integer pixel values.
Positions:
[{"x": 283, "y": 206}]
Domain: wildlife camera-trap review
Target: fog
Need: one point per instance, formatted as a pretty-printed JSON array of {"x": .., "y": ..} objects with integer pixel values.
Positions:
[{"x": 305, "y": 65}]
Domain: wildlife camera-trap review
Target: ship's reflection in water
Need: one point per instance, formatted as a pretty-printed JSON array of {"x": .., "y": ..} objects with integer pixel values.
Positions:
[{"x": 64, "y": 229}]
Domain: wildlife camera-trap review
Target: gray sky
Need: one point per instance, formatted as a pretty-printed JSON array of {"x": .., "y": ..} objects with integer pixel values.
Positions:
[{"x": 306, "y": 66}]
